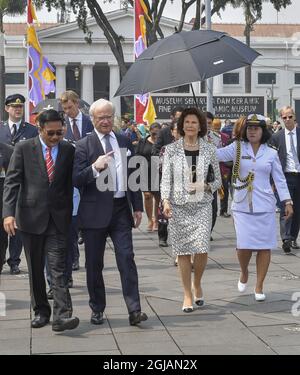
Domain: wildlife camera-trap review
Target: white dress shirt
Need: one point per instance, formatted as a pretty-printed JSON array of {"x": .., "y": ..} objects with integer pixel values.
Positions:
[
  {"x": 290, "y": 163},
  {"x": 10, "y": 124},
  {"x": 117, "y": 161},
  {"x": 78, "y": 119}
]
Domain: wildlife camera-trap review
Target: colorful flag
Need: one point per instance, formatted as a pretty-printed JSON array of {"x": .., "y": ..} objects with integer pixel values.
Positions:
[
  {"x": 40, "y": 73},
  {"x": 144, "y": 108}
]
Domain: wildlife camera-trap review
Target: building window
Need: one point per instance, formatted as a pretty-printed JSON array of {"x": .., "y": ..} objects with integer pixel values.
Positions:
[
  {"x": 266, "y": 78},
  {"x": 203, "y": 87},
  {"x": 73, "y": 78},
  {"x": 231, "y": 79},
  {"x": 14, "y": 79},
  {"x": 297, "y": 78},
  {"x": 297, "y": 109}
]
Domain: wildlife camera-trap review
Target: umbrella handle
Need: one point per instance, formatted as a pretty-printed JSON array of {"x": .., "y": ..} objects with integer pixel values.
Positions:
[{"x": 194, "y": 96}]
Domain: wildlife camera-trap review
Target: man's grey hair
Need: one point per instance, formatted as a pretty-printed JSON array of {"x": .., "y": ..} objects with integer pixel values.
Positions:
[{"x": 101, "y": 103}]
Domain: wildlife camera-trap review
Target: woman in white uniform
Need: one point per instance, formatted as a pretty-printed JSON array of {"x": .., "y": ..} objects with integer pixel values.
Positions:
[{"x": 254, "y": 204}]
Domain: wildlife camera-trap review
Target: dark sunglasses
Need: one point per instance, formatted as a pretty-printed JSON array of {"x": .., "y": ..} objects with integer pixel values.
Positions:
[
  {"x": 52, "y": 133},
  {"x": 287, "y": 117}
]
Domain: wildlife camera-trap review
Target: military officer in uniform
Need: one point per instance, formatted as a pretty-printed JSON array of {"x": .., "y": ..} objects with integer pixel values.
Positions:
[
  {"x": 254, "y": 204},
  {"x": 12, "y": 131}
]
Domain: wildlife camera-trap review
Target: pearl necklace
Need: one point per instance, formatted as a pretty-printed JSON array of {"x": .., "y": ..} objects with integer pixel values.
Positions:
[{"x": 191, "y": 144}]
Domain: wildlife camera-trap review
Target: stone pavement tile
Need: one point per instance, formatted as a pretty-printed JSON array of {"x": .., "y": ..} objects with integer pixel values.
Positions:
[
  {"x": 85, "y": 329},
  {"x": 19, "y": 346},
  {"x": 257, "y": 349},
  {"x": 6, "y": 323},
  {"x": 252, "y": 319},
  {"x": 287, "y": 350},
  {"x": 94, "y": 353},
  {"x": 120, "y": 324},
  {"x": 15, "y": 333},
  {"x": 71, "y": 341},
  {"x": 281, "y": 335}
]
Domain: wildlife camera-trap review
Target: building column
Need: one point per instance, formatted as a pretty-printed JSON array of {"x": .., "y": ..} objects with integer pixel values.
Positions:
[
  {"x": 114, "y": 83},
  {"x": 218, "y": 85},
  {"x": 87, "y": 82},
  {"x": 60, "y": 79}
]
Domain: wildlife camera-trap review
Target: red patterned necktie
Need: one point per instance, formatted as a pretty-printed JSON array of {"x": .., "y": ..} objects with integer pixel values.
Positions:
[
  {"x": 49, "y": 164},
  {"x": 76, "y": 132}
]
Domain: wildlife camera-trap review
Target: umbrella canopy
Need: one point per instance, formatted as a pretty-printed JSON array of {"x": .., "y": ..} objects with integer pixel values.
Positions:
[
  {"x": 55, "y": 104},
  {"x": 185, "y": 57}
]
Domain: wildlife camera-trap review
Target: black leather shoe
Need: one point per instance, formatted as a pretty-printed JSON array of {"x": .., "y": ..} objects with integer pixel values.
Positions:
[
  {"x": 137, "y": 317},
  {"x": 65, "y": 323},
  {"x": 97, "y": 318},
  {"x": 50, "y": 294},
  {"x": 294, "y": 245},
  {"x": 14, "y": 270},
  {"x": 163, "y": 243},
  {"x": 75, "y": 266},
  {"x": 39, "y": 321},
  {"x": 225, "y": 214},
  {"x": 286, "y": 246}
]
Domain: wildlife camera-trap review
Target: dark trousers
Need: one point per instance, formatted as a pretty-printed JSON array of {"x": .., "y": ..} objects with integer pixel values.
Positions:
[
  {"x": 120, "y": 231},
  {"x": 15, "y": 249},
  {"x": 214, "y": 204},
  {"x": 224, "y": 201},
  {"x": 72, "y": 247},
  {"x": 289, "y": 229},
  {"x": 3, "y": 245},
  {"x": 53, "y": 245}
]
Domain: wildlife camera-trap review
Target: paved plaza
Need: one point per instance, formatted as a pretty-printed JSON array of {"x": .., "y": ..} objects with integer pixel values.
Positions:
[{"x": 229, "y": 323}]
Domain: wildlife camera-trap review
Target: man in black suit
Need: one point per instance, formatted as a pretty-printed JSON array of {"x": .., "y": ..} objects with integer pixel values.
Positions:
[
  {"x": 287, "y": 141},
  {"x": 12, "y": 131},
  {"x": 106, "y": 209},
  {"x": 5, "y": 154},
  {"x": 37, "y": 199}
]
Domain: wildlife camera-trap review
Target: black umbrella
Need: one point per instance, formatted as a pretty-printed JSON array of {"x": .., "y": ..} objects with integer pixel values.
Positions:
[
  {"x": 55, "y": 104},
  {"x": 185, "y": 57}
]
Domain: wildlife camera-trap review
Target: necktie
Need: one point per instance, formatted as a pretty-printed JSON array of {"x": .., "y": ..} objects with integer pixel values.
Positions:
[
  {"x": 108, "y": 148},
  {"x": 14, "y": 130},
  {"x": 49, "y": 165},
  {"x": 294, "y": 152},
  {"x": 76, "y": 132}
]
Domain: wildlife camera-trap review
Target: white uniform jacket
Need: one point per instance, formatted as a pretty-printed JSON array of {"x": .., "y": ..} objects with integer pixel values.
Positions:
[
  {"x": 176, "y": 173},
  {"x": 264, "y": 165}
]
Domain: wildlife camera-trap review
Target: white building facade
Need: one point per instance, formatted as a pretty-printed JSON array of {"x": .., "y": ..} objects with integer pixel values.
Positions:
[{"x": 93, "y": 72}]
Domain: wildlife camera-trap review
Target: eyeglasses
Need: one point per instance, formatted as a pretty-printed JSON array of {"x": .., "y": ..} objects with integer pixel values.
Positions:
[
  {"x": 103, "y": 118},
  {"x": 52, "y": 133},
  {"x": 287, "y": 117}
]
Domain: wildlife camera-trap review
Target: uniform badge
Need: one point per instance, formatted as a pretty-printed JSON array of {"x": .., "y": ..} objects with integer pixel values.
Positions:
[{"x": 246, "y": 157}]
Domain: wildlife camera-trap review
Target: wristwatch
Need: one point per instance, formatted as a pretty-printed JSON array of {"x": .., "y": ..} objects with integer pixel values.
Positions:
[{"x": 289, "y": 202}]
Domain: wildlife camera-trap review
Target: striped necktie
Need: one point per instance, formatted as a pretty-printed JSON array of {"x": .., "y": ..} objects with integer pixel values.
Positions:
[{"x": 49, "y": 165}]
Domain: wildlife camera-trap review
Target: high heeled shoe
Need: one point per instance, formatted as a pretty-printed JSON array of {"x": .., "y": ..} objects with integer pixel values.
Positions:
[
  {"x": 199, "y": 301},
  {"x": 242, "y": 286},
  {"x": 187, "y": 309}
]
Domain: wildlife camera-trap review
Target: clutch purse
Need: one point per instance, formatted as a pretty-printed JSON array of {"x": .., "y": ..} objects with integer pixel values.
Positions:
[{"x": 210, "y": 174}]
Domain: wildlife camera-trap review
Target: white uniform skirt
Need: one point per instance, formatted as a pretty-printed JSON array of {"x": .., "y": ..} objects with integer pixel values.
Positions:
[{"x": 255, "y": 231}]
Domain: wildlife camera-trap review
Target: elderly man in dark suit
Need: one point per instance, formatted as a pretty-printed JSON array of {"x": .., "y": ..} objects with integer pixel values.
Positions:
[
  {"x": 37, "y": 199},
  {"x": 12, "y": 131},
  {"x": 5, "y": 154},
  {"x": 287, "y": 141},
  {"x": 106, "y": 209}
]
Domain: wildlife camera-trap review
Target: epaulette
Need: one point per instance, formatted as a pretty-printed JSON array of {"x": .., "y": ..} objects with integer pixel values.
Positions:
[{"x": 272, "y": 146}]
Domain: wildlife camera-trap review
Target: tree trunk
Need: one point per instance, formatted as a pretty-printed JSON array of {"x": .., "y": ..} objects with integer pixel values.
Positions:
[
  {"x": 247, "y": 68},
  {"x": 2, "y": 76}
]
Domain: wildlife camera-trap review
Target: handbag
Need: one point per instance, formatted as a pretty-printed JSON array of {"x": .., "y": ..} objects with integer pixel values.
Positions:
[{"x": 210, "y": 174}]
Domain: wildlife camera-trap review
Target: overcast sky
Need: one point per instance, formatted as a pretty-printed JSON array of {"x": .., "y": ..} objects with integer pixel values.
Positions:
[{"x": 230, "y": 15}]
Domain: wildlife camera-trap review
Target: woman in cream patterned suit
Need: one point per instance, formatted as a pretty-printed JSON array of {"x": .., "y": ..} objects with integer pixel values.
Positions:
[{"x": 187, "y": 196}]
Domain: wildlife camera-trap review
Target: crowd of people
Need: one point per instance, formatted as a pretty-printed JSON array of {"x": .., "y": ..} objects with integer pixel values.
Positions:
[{"x": 70, "y": 177}]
